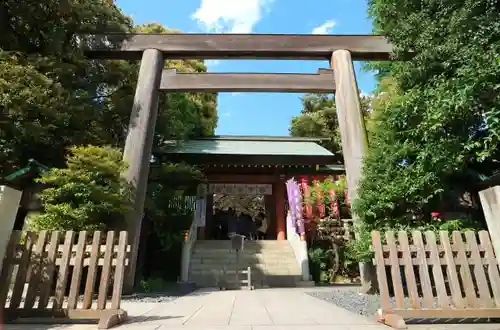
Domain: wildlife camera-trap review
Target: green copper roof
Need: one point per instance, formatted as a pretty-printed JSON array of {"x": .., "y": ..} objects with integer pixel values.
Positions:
[
  {"x": 33, "y": 168},
  {"x": 255, "y": 146}
]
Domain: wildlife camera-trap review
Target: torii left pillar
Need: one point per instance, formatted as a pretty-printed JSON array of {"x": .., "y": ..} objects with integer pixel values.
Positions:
[{"x": 138, "y": 147}]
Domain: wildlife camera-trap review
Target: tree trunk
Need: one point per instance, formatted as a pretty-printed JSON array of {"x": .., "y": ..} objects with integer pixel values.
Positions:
[{"x": 368, "y": 275}]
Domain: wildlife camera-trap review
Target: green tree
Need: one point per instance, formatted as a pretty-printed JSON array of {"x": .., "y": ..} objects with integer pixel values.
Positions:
[
  {"x": 439, "y": 129},
  {"x": 51, "y": 97},
  {"x": 183, "y": 115},
  {"x": 318, "y": 118},
  {"x": 88, "y": 194},
  {"x": 169, "y": 213}
]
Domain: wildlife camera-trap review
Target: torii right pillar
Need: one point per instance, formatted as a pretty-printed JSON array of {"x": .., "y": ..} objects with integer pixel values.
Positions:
[
  {"x": 350, "y": 117},
  {"x": 353, "y": 136}
]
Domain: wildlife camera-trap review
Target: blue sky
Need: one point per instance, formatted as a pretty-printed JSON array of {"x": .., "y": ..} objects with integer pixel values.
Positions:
[{"x": 258, "y": 113}]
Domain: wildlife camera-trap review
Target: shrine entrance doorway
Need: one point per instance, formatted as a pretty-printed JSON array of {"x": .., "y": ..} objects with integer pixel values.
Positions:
[{"x": 242, "y": 208}]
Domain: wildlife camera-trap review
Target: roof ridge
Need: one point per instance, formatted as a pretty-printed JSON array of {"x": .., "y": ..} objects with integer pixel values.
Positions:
[{"x": 261, "y": 138}]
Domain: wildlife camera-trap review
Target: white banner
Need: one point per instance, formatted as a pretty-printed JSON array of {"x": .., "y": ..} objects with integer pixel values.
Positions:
[{"x": 201, "y": 211}]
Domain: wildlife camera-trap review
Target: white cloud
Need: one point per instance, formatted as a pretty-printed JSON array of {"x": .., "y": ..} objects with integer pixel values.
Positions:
[
  {"x": 365, "y": 94},
  {"x": 230, "y": 16},
  {"x": 324, "y": 28},
  {"x": 235, "y": 93},
  {"x": 226, "y": 114},
  {"x": 211, "y": 63}
]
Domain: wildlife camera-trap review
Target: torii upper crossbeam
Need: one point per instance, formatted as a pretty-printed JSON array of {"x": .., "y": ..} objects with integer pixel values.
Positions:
[{"x": 237, "y": 46}]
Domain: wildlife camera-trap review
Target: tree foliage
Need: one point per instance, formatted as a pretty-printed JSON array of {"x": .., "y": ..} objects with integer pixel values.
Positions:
[
  {"x": 88, "y": 194},
  {"x": 318, "y": 118},
  {"x": 52, "y": 98},
  {"x": 439, "y": 128},
  {"x": 183, "y": 115},
  {"x": 169, "y": 210}
]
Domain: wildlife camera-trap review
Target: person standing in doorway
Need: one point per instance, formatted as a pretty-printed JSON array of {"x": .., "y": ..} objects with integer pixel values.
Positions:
[
  {"x": 261, "y": 224},
  {"x": 232, "y": 224}
]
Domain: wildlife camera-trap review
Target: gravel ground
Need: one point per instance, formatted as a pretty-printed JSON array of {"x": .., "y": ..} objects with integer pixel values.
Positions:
[
  {"x": 169, "y": 294},
  {"x": 363, "y": 304},
  {"x": 350, "y": 299},
  {"x": 366, "y": 305}
]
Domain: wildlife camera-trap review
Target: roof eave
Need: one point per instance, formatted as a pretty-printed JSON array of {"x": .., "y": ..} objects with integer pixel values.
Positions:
[{"x": 252, "y": 159}]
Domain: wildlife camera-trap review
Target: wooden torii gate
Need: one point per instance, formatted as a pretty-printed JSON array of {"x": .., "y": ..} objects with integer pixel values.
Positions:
[{"x": 154, "y": 49}]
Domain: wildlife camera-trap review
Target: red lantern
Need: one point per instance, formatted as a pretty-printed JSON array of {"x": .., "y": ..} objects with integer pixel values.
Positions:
[
  {"x": 334, "y": 203},
  {"x": 320, "y": 204},
  {"x": 308, "y": 210}
]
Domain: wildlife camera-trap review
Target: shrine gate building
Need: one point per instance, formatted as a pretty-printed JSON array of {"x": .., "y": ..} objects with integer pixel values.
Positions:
[{"x": 255, "y": 165}]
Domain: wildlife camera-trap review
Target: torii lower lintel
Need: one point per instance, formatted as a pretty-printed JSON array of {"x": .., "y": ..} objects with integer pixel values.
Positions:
[{"x": 322, "y": 82}]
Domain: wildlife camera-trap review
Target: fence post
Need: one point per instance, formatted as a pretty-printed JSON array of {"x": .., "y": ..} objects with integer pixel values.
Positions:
[
  {"x": 490, "y": 201},
  {"x": 9, "y": 204}
]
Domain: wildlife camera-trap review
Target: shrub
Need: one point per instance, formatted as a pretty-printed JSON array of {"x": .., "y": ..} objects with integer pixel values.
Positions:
[{"x": 89, "y": 194}]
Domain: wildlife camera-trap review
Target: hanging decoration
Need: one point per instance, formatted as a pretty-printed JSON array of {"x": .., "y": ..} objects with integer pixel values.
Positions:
[
  {"x": 334, "y": 203},
  {"x": 240, "y": 189},
  {"x": 306, "y": 191},
  {"x": 295, "y": 202},
  {"x": 320, "y": 203}
]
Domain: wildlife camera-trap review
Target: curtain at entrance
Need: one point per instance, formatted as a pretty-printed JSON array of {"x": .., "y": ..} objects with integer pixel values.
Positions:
[{"x": 240, "y": 189}]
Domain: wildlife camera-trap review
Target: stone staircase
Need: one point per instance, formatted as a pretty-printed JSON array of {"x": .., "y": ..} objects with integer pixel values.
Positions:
[{"x": 273, "y": 263}]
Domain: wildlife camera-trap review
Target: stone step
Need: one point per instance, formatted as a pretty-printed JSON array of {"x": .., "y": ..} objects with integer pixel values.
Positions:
[
  {"x": 244, "y": 264},
  {"x": 247, "y": 242},
  {"x": 218, "y": 261},
  {"x": 243, "y": 252},
  {"x": 219, "y": 266},
  {"x": 217, "y": 255},
  {"x": 273, "y": 263},
  {"x": 222, "y": 245},
  {"x": 266, "y": 271},
  {"x": 277, "y": 252},
  {"x": 262, "y": 259},
  {"x": 245, "y": 247},
  {"x": 266, "y": 268},
  {"x": 273, "y": 259}
]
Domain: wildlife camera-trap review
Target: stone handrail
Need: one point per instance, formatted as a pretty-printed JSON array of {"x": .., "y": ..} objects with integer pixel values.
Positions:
[
  {"x": 190, "y": 238},
  {"x": 299, "y": 246}
]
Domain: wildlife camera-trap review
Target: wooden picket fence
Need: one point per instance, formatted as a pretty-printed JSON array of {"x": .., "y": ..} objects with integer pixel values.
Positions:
[
  {"x": 429, "y": 277},
  {"x": 46, "y": 273}
]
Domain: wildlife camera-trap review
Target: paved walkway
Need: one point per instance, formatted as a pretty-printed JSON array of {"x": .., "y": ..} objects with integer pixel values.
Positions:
[
  {"x": 271, "y": 309},
  {"x": 251, "y": 310}
]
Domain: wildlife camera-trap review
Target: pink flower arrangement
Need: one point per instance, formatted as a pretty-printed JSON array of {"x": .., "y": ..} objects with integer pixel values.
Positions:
[{"x": 435, "y": 214}]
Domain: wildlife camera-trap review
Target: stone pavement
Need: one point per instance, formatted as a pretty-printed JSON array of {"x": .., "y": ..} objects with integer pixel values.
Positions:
[{"x": 266, "y": 309}]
